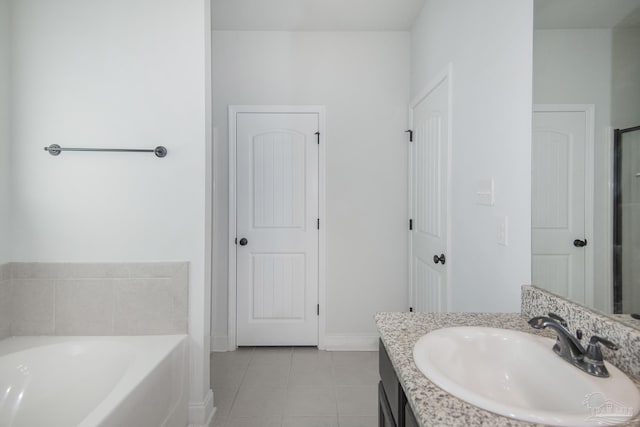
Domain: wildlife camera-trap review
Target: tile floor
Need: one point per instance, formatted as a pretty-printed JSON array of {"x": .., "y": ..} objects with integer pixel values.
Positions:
[{"x": 294, "y": 387}]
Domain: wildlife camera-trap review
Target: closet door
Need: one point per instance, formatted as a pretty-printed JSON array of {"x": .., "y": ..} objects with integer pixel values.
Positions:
[
  {"x": 276, "y": 228},
  {"x": 429, "y": 181}
]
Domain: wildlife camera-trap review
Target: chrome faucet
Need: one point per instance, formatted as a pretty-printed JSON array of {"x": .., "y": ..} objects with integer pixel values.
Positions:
[{"x": 570, "y": 349}]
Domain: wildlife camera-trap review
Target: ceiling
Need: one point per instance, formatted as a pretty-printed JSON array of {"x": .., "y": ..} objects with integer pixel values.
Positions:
[
  {"x": 315, "y": 15},
  {"x": 584, "y": 14}
]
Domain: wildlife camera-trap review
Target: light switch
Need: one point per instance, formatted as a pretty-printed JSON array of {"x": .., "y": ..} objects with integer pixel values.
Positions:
[{"x": 485, "y": 192}]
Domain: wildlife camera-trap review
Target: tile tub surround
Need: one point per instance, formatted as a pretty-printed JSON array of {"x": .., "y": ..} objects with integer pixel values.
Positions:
[
  {"x": 538, "y": 302},
  {"x": 93, "y": 298},
  {"x": 432, "y": 405}
]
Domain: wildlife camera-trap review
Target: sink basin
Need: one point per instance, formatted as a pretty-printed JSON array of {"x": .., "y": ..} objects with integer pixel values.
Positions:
[{"x": 517, "y": 375}]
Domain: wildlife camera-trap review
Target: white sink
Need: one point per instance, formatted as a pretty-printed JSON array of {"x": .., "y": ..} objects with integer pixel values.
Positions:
[{"x": 517, "y": 375}]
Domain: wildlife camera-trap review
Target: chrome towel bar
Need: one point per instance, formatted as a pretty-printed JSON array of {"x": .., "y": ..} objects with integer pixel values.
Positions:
[{"x": 159, "y": 151}]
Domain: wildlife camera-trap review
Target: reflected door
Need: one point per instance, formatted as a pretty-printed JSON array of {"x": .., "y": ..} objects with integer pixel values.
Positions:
[
  {"x": 276, "y": 228},
  {"x": 558, "y": 202}
]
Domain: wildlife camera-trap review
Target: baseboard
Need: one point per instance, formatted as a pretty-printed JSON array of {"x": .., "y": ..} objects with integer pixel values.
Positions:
[
  {"x": 201, "y": 413},
  {"x": 351, "y": 342},
  {"x": 220, "y": 343}
]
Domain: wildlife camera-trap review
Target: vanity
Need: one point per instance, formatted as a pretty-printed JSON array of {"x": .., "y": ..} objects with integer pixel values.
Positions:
[{"x": 408, "y": 398}]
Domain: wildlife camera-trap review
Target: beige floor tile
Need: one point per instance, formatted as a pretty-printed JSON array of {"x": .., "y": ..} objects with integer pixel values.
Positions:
[
  {"x": 218, "y": 421},
  {"x": 311, "y": 373},
  {"x": 259, "y": 401},
  {"x": 240, "y": 357},
  {"x": 369, "y": 357},
  {"x": 269, "y": 355},
  {"x": 356, "y": 370},
  {"x": 311, "y": 355},
  {"x": 311, "y": 401},
  {"x": 267, "y": 374},
  {"x": 223, "y": 398},
  {"x": 358, "y": 421},
  {"x": 254, "y": 422},
  {"x": 357, "y": 400},
  {"x": 227, "y": 376},
  {"x": 310, "y": 422},
  {"x": 294, "y": 387}
]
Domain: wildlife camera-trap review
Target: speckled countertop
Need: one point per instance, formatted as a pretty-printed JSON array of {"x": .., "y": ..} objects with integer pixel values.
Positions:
[{"x": 432, "y": 405}]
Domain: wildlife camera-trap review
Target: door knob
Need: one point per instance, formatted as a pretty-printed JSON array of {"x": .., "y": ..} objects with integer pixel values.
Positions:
[
  {"x": 580, "y": 243},
  {"x": 243, "y": 242},
  {"x": 438, "y": 259}
]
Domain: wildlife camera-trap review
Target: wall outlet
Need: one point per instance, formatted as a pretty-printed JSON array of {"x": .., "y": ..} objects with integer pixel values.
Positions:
[{"x": 503, "y": 231}]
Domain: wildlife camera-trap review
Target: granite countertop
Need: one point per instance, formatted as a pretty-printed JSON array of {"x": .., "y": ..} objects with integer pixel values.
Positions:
[{"x": 431, "y": 405}]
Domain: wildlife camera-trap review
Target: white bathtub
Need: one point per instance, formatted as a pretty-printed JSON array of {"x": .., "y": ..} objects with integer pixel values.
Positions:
[{"x": 93, "y": 381}]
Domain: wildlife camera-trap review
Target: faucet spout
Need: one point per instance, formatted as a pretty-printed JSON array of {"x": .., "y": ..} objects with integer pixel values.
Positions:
[{"x": 567, "y": 346}]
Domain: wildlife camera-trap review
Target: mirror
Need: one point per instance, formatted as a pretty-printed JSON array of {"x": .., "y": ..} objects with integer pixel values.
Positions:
[{"x": 586, "y": 84}]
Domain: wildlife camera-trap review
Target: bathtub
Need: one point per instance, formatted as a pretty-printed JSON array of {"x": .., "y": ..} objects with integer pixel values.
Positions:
[{"x": 94, "y": 381}]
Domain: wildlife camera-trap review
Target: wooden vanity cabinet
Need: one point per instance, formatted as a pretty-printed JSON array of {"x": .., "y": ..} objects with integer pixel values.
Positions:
[{"x": 393, "y": 408}]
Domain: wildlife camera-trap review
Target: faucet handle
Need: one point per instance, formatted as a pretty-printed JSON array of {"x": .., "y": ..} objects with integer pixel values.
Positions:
[
  {"x": 595, "y": 340},
  {"x": 594, "y": 362},
  {"x": 558, "y": 319}
]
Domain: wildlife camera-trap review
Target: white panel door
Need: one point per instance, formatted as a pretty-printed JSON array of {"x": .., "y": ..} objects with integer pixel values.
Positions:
[
  {"x": 429, "y": 185},
  {"x": 276, "y": 228},
  {"x": 558, "y": 202}
]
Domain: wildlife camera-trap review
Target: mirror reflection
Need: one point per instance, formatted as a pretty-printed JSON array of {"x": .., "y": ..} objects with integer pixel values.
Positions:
[
  {"x": 626, "y": 221},
  {"x": 586, "y": 152}
]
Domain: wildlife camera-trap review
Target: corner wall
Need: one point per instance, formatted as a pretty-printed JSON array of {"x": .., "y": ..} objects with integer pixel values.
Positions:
[
  {"x": 489, "y": 45},
  {"x": 361, "y": 78},
  {"x": 116, "y": 74}
]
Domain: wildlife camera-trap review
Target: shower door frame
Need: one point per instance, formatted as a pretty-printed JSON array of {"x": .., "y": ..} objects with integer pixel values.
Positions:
[{"x": 617, "y": 218}]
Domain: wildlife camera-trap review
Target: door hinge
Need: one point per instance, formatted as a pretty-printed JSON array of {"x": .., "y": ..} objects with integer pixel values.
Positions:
[
  {"x": 410, "y": 132},
  {"x": 318, "y": 137},
  {"x": 318, "y": 224},
  {"x": 318, "y": 309},
  {"x": 410, "y": 224},
  {"x": 410, "y": 309}
]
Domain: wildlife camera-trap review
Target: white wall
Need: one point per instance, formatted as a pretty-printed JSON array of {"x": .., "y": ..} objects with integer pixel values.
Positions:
[
  {"x": 625, "y": 111},
  {"x": 120, "y": 73},
  {"x": 361, "y": 78},
  {"x": 4, "y": 132},
  {"x": 489, "y": 46},
  {"x": 574, "y": 67}
]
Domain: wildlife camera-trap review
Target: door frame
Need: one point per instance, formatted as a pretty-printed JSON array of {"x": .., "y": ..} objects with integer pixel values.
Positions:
[
  {"x": 322, "y": 233},
  {"x": 589, "y": 183},
  {"x": 444, "y": 74}
]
